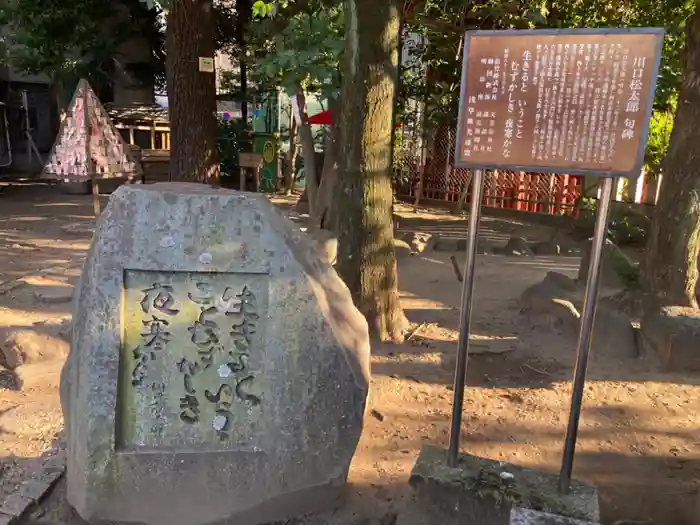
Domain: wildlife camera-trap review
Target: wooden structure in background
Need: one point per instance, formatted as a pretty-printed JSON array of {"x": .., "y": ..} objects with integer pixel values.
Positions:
[
  {"x": 147, "y": 128},
  {"x": 250, "y": 161}
]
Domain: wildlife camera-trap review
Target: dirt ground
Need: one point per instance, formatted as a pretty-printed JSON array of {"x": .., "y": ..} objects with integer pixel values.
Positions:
[{"x": 639, "y": 439}]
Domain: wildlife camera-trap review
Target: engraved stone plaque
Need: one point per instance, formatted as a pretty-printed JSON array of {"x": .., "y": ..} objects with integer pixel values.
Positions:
[
  {"x": 218, "y": 370},
  {"x": 188, "y": 363}
]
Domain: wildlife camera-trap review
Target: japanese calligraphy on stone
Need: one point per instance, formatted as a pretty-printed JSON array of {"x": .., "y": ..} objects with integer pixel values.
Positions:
[
  {"x": 567, "y": 100},
  {"x": 189, "y": 373}
]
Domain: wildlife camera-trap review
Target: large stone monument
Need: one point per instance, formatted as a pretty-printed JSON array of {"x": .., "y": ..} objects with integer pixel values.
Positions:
[{"x": 218, "y": 370}]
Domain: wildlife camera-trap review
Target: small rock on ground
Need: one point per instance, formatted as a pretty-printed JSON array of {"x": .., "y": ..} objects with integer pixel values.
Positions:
[
  {"x": 555, "y": 304},
  {"x": 516, "y": 246},
  {"x": 673, "y": 332},
  {"x": 418, "y": 241},
  {"x": 546, "y": 248},
  {"x": 55, "y": 295},
  {"x": 22, "y": 346},
  {"x": 449, "y": 244}
]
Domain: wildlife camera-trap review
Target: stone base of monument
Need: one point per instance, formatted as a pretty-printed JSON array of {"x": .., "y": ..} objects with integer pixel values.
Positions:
[
  {"x": 520, "y": 516},
  {"x": 673, "y": 333},
  {"x": 483, "y": 491}
]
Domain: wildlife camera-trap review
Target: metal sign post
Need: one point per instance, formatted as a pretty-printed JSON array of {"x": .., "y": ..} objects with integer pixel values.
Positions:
[
  {"x": 586, "y": 331},
  {"x": 467, "y": 291},
  {"x": 575, "y": 101}
]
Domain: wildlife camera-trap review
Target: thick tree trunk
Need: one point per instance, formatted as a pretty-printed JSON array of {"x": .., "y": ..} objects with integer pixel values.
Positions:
[
  {"x": 674, "y": 241},
  {"x": 191, "y": 93},
  {"x": 366, "y": 257}
]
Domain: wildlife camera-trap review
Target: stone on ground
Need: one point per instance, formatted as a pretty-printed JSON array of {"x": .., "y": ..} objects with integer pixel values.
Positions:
[
  {"x": 44, "y": 374},
  {"x": 550, "y": 303},
  {"x": 550, "y": 247},
  {"x": 443, "y": 243},
  {"x": 402, "y": 249},
  {"x": 482, "y": 491},
  {"x": 25, "y": 345},
  {"x": 55, "y": 294},
  {"x": 418, "y": 241},
  {"x": 617, "y": 270},
  {"x": 218, "y": 371},
  {"x": 555, "y": 304},
  {"x": 673, "y": 333},
  {"x": 516, "y": 246}
]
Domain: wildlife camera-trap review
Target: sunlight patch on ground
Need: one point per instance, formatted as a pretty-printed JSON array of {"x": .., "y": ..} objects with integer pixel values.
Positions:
[{"x": 20, "y": 317}]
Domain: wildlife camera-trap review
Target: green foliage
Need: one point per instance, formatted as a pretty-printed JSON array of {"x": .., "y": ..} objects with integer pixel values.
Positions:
[
  {"x": 74, "y": 38},
  {"x": 232, "y": 138},
  {"x": 304, "y": 51},
  {"x": 442, "y": 22},
  {"x": 628, "y": 225},
  {"x": 660, "y": 128},
  {"x": 262, "y": 9}
]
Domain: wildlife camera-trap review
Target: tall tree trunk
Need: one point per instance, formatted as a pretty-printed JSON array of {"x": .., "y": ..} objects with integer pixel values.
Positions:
[
  {"x": 191, "y": 93},
  {"x": 306, "y": 140},
  {"x": 366, "y": 257},
  {"x": 289, "y": 174},
  {"x": 674, "y": 241},
  {"x": 244, "y": 14},
  {"x": 324, "y": 215}
]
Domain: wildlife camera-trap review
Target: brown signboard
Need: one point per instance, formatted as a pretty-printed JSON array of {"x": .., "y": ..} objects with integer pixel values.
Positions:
[{"x": 576, "y": 101}]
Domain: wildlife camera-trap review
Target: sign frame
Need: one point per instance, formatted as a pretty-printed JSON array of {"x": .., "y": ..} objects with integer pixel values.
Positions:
[
  {"x": 659, "y": 33},
  {"x": 206, "y": 65}
]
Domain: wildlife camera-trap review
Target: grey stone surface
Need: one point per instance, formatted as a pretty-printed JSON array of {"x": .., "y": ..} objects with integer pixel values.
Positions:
[
  {"x": 520, "y": 516},
  {"x": 281, "y": 393},
  {"x": 15, "y": 504},
  {"x": 34, "y": 489},
  {"x": 673, "y": 333},
  {"x": 482, "y": 492}
]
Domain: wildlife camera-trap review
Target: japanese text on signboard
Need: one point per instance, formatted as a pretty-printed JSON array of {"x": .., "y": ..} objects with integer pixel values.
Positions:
[{"x": 557, "y": 101}]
